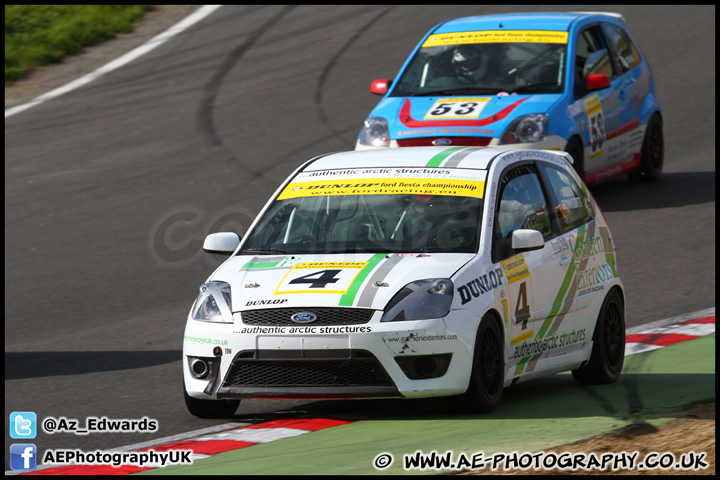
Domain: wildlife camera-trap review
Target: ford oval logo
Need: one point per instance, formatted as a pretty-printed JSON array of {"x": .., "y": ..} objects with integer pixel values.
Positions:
[
  {"x": 442, "y": 141},
  {"x": 304, "y": 317}
]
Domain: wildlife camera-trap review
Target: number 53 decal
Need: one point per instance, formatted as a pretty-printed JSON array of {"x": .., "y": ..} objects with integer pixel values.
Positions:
[
  {"x": 457, "y": 108},
  {"x": 320, "y": 277}
]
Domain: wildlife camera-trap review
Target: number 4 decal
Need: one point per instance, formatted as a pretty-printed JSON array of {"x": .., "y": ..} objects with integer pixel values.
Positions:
[
  {"x": 522, "y": 308},
  {"x": 317, "y": 279},
  {"x": 521, "y": 298},
  {"x": 320, "y": 277}
]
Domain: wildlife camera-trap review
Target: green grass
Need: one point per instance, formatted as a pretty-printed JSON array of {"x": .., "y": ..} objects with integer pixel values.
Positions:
[{"x": 36, "y": 35}]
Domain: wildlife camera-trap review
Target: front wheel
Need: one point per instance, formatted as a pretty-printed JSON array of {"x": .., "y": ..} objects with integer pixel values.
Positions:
[
  {"x": 210, "y": 408},
  {"x": 608, "y": 351},
  {"x": 486, "y": 380}
]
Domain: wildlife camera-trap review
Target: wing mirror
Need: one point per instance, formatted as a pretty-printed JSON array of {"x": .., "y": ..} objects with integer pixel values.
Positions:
[
  {"x": 597, "y": 82},
  {"x": 381, "y": 86},
  {"x": 524, "y": 240},
  {"x": 222, "y": 243}
]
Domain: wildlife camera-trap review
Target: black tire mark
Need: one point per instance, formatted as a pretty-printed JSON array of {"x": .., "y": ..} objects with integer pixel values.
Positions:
[
  {"x": 205, "y": 120},
  {"x": 331, "y": 64}
]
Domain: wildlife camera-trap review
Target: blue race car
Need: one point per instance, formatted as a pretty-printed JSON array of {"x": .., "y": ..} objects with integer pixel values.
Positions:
[{"x": 576, "y": 82}]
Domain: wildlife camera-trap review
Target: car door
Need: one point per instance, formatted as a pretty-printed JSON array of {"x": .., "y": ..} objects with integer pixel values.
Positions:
[
  {"x": 595, "y": 109},
  {"x": 623, "y": 135},
  {"x": 535, "y": 277},
  {"x": 580, "y": 247}
]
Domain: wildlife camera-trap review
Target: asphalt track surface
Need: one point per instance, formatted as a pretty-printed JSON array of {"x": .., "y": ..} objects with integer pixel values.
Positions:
[{"x": 110, "y": 190}]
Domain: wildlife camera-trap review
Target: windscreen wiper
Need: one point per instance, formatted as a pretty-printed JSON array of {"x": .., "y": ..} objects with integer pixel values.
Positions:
[
  {"x": 261, "y": 251},
  {"x": 532, "y": 86},
  {"x": 458, "y": 91}
]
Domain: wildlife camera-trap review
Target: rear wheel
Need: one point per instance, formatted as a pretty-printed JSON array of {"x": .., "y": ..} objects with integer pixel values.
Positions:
[
  {"x": 210, "y": 408},
  {"x": 653, "y": 152},
  {"x": 486, "y": 380},
  {"x": 608, "y": 351}
]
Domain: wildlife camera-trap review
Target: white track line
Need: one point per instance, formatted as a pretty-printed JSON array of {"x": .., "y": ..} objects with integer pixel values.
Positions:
[{"x": 146, "y": 47}]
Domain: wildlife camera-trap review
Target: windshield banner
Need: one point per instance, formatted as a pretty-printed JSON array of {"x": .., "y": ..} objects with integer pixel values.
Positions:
[
  {"x": 385, "y": 186},
  {"x": 497, "y": 36}
]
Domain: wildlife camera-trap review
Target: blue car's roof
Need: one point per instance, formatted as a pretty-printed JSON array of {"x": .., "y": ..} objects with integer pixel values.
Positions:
[{"x": 555, "y": 21}]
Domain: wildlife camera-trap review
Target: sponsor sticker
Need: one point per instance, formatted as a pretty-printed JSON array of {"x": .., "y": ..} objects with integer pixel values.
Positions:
[
  {"x": 520, "y": 292},
  {"x": 596, "y": 119},
  {"x": 385, "y": 186},
  {"x": 497, "y": 36},
  {"x": 320, "y": 277}
]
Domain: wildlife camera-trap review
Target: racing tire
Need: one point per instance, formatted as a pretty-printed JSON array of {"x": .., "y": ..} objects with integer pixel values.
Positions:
[
  {"x": 653, "y": 153},
  {"x": 210, "y": 408},
  {"x": 608, "y": 351},
  {"x": 575, "y": 149},
  {"x": 486, "y": 380}
]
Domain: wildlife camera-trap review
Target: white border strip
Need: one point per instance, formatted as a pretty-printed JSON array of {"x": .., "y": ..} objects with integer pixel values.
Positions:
[{"x": 146, "y": 47}]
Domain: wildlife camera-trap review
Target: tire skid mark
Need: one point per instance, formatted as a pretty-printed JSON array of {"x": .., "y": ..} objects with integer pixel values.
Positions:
[
  {"x": 332, "y": 63},
  {"x": 205, "y": 112}
]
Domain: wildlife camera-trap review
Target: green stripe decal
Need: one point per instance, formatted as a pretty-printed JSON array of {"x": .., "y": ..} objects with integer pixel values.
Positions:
[
  {"x": 260, "y": 265},
  {"x": 440, "y": 157},
  {"x": 557, "y": 304},
  {"x": 349, "y": 297}
]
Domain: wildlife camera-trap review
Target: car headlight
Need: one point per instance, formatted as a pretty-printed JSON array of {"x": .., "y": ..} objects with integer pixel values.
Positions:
[
  {"x": 213, "y": 303},
  {"x": 375, "y": 133},
  {"x": 420, "y": 300},
  {"x": 526, "y": 129}
]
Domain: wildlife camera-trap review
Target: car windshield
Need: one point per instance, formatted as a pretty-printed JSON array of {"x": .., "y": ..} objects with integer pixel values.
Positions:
[
  {"x": 367, "y": 224},
  {"x": 485, "y": 68}
]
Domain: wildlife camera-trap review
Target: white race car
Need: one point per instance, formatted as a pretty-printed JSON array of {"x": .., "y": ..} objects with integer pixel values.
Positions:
[{"x": 407, "y": 273}]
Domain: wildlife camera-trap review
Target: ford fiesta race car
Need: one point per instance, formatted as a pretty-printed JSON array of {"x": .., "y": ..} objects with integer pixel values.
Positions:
[
  {"x": 576, "y": 82},
  {"x": 407, "y": 273}
]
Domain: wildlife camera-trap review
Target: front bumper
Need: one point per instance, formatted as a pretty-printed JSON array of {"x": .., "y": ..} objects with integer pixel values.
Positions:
[{"x": 365, "y": 360}]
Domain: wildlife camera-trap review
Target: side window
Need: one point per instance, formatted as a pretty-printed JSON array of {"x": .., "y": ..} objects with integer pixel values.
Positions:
[
  {"x": 571, "y": 204},
  {"x": 521, "y": 205},
  {"x": 626, "y": 54},
  {"x": 591, "y": 57}
]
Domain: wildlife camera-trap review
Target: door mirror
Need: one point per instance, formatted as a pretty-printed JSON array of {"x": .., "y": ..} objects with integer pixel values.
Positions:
[
  {"x": 222, "y": 243},
  {"x": 524, "y": 240},
  {"x": 381, "y": 86},
  {"x": 597, "y": 82}
]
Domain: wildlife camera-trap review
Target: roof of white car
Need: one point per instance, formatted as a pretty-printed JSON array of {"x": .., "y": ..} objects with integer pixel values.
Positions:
[{"x": 445, "y": 157}]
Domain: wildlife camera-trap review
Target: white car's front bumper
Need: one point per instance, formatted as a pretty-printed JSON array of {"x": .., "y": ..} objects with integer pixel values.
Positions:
[{"x": 374, "y": 359}]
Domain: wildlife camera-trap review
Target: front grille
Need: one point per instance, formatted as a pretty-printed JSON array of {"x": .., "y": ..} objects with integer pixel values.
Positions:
[
  {"x": 456, "y": 141},
  {"x": 360, "y": 369},
  {"x": 325, "y": 316}
]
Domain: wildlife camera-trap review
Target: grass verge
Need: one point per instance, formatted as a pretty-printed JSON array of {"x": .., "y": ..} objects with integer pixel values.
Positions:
[{"x": 36, "y": 35}]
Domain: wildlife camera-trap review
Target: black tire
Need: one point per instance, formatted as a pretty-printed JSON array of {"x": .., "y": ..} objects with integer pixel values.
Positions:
[
  {"x": 575, "y": 149},
  {"x": 488, "y": 371},
  {"x": 210, "y": 408},
  {"x": 608, "y": 352},
  {"x": 653, "y": 153}
]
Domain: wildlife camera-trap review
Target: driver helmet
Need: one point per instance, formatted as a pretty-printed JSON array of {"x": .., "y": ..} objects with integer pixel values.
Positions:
[{"x": 466, "y": 60}]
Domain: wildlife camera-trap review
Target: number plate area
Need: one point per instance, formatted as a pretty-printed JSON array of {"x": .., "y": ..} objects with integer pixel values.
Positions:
[
  {"x": 453, "y": 108},
  {"x": 302, "y": 343}
]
